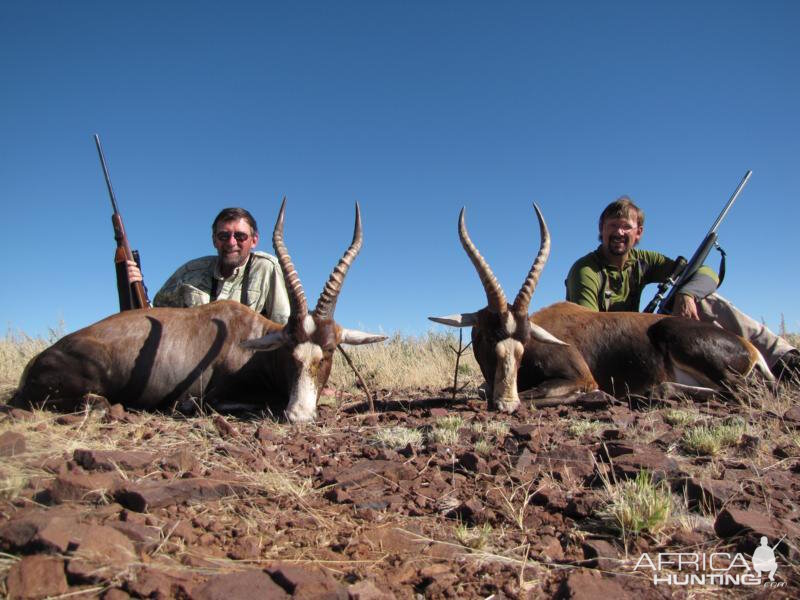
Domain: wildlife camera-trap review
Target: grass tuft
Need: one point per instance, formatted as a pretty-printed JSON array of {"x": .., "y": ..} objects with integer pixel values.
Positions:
[
  {"x": 638, "y": 505},
  {"x": 711, "y": 440},
  {"x": 396, "y": 438}
]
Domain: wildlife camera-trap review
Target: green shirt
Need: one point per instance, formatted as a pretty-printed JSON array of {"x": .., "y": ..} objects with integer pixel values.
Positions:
[
  {"x": 191, "y": 285},
  {"x": 595, "y": 284}
]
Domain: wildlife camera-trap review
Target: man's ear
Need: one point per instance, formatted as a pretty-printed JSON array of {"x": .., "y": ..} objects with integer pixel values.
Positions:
[{"x": 255, "y": 240}]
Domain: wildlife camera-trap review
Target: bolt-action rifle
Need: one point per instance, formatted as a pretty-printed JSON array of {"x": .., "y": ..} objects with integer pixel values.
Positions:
[
  {"x": 132, "y": 294},
  {"x": 684, "y": 270}
]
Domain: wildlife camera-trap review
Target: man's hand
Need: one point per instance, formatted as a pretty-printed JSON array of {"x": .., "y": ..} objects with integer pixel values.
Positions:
[
  {"x": 685, "y": 306},
  {"x": 134, "y": 274}
]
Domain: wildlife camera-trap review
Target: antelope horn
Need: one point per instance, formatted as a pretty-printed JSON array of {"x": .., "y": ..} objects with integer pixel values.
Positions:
[
  {"x": 297, "y": 297},
  {"x": 327, "y": 299},
  {"x": 523, "y": 299},
  {"x": 494, "y": 293}
]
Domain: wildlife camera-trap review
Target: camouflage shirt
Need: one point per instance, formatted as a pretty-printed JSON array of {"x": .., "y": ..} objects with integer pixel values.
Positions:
[
  {"x": 595, "y": 284},
  {"x": 191, "y": 285}
]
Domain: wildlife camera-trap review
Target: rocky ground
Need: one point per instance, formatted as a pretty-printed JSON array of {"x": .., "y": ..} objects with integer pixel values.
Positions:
[{"x": 427, "y": 497}]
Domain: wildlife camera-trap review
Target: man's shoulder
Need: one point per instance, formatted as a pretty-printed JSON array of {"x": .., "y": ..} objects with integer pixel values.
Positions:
[
  {"x": 588, "y": 263},
  {"x": 204, "y": 263},
  {"x": 262, "y": 259},
  {"x": 648, "y": 257}
]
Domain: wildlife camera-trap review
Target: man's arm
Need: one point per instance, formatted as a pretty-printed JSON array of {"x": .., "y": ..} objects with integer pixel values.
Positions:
[{"x": 583, "y": 287}]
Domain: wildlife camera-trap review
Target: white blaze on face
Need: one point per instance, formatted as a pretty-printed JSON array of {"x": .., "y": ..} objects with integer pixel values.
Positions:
[
  {"x": 509, "y": 352},
  {"x": 302, "y": 405}
]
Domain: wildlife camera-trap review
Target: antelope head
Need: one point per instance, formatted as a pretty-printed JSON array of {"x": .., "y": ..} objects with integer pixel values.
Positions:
[
  {"x": 502, "y": 331},
  {"x": 311, "y": 338}
]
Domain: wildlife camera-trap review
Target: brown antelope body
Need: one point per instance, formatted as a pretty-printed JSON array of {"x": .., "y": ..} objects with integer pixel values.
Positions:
[
  {"x": 565, "y": 349},
  {"x": 217, "y": 353}
]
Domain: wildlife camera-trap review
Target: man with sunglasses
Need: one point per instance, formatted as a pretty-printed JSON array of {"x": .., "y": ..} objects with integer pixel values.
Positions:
[{"x": 237, "y": 272}]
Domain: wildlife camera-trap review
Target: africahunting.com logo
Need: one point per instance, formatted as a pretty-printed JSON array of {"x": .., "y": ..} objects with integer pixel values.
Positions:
[{"x": 714, "y": 568}]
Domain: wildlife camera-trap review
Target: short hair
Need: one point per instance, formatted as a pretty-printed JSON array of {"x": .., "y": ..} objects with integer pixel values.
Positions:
[
  {"x": 622, "y": 207},
  {"x": 234, "y": 213}
]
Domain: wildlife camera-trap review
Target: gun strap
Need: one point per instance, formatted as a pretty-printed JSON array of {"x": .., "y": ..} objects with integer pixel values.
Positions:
[
  {"x": 721, "y": 263},
  {"x": 245, "y": 283}
]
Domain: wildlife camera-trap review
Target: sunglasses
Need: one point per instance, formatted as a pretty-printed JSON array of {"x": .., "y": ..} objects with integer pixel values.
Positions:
[{"x": 239, "y": 236}]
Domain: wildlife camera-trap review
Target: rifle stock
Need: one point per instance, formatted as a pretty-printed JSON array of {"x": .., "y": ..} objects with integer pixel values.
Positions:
[{"x": 132, "y": 294}]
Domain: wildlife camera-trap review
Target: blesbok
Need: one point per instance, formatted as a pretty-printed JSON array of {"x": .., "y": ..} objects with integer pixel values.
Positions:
[
  {"x": 566, "y": 349},
  {"x": 218, "y": 353}
]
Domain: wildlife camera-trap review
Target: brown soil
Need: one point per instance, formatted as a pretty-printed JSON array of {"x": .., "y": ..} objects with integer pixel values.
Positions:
[{"x": 322, "y": 511}]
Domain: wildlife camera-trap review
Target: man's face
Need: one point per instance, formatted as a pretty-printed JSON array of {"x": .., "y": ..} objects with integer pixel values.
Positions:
[
  {"x": 233, "y": 252},
  {"x": 620, "y": 234}
]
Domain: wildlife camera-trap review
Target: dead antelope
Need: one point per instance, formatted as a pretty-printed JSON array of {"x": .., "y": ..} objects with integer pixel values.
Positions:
[
  {"x": 219, "y": 352},
  {"x": 566, "y": 349}
]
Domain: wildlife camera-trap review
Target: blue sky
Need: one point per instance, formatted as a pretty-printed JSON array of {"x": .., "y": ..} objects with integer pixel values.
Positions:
[{"x": 414, "y": 109}]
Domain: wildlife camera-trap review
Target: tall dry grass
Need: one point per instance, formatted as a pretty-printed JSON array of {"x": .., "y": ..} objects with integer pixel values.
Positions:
[
  {"x": 16, "y": 349},
  {"x": 405, "y": 362}
]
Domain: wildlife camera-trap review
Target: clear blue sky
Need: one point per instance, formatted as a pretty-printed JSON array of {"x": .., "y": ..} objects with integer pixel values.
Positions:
[{"x": 412, "y": 108}]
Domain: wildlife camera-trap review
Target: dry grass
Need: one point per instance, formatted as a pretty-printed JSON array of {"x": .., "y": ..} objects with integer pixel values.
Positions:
[
  {"x": 407, "y": 362},
  {"x": 16, "y": 349}
]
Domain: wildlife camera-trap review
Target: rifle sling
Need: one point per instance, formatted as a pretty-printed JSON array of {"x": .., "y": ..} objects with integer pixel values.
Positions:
[{"x": 245, "y": 283}]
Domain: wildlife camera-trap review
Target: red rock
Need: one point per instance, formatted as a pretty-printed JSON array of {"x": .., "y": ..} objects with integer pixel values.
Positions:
[
  {"x": 225, "y": 429},
  {"x": 366, "y": 590},
  {"x": 110, "y": 460},
  {"x": 154, "y": 494},
  {"x": 654, "y": 461},
  {"x": 712, "y": 494},
  {"x": 115, "y": 593},
  {"x": 600, "y": 554},
  {"x": 182, "y": 461},
  {"x": 472, "y": 462},
  {"x": 596, "y": 400},
  {"x": 11, "y": 443},
  {"x": 590, "y": 585},
  {"x": 101, "y": 553},
  {"x": 83, "y": 487},
  {"x": 306, "y": 582},
  {"x": 116, "y": 412},
  {"x": 246, "y": 585},
  {"x": 37, "y": 576},
  {"x": 156, "y": 583}
]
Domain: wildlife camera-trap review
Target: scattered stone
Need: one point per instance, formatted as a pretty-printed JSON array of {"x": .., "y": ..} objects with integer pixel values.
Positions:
[
  {"x": 101, "y": 553},
  {"x": 600, "y": 554},
  {"x": 366, "y": 590},
  {"x": 792, "y": 417},
  {"x": 111, "y": 460},
  {"x": 306, "y": 582},
  {"x": 224, "y": 428},
  {"x": 648, "y": 459},
  {"x": 596, "y": 400},
  {"x": 83, "y": 487},
  {"x": 37, "y": 576},
  {"x": 116, "y": 413},
  {"x": 711, "y": 494},
  {"x": 549, "y": 548},
  {"x": 242, "y": 585},
  {"x": 154, "y": 494},
  {"x": 155, "y": 583},
  {"x": 583, "y": 584},
  {"x": 182, "y": 461},
  {"x": 568, "y": 463},
  {"x": 11, "y": 444},
  {"x": 471, "y": 461}
]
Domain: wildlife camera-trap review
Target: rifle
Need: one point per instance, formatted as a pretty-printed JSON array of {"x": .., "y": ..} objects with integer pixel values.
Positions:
[
  {"x": 132, "y": 294},
  {"x": 685, "y": 270}
]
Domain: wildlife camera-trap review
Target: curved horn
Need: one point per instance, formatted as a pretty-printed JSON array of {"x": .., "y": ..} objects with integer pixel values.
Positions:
[
  {"x": 327, "y": 299},
  {"x": 297, "y": 297},
  {"x": 494, "y": 293},
  {"x": 523, "y": 299}
]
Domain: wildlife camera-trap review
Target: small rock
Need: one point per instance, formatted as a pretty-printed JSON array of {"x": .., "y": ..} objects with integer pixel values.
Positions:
[
  {"x": 306, "y": 582},
  {"x": 11, "y": 444},
  {"x": 366, "y": 590},
  {"x": 225, "y": 429},
  {"x": 600, "y": 554},
  {"x": 37, "y": 576},
  {"x": 472, "y": 462},
  {"x": 589, "y": 585}
]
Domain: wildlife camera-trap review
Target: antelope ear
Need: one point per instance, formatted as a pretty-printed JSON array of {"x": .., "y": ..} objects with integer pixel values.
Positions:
[
  {"x": 271, "y": 341},
  {"x": 542, "y": 335},
  {"x": 356, "y": 338},
  {"x": 458, "y": 320}
]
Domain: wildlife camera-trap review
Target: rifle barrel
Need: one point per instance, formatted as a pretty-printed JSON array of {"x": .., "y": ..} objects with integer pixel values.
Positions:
[
  {"x": 728, "y": 206},
  {"x": 105, "y": 173}
]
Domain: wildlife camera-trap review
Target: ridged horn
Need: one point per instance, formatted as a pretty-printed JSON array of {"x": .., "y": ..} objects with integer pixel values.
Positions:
[
  {"x": 494, "y": 293},
  {"x": 327, "y": 299},
  {"x": 523, "y": 299},
  {"x": 297, "y": 297}
]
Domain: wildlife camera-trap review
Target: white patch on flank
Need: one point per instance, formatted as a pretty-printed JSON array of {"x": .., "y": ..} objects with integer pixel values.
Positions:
[
  {"x": 510, "y": 324},
  {"x": 509, "y": 351},
  {"x": 308, "y": 325},
  {"x": 302, "y": 405}
]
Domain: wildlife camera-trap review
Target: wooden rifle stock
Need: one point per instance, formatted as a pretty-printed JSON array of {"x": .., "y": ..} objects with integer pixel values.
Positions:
[{"x": 132, "y": 294}]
